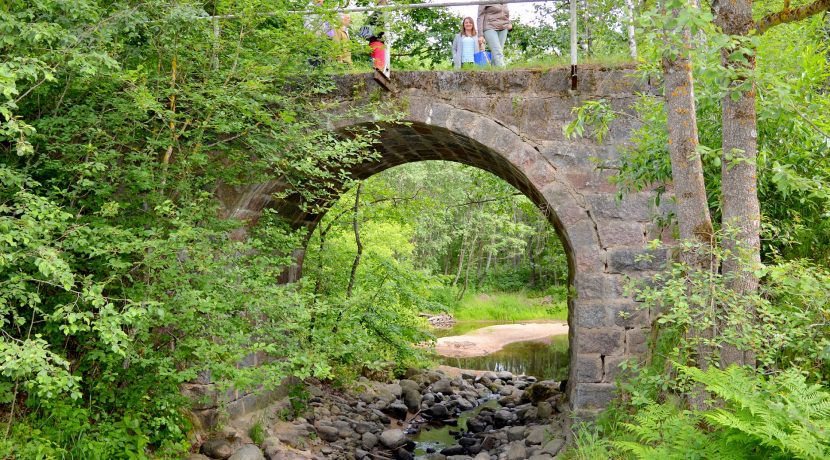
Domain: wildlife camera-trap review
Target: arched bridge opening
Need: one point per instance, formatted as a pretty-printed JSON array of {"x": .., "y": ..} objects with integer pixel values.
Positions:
[{"x": 510, "y": 124}]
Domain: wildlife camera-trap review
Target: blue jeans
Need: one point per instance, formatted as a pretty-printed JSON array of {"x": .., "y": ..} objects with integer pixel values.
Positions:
[{"x": 495, "y": 40}]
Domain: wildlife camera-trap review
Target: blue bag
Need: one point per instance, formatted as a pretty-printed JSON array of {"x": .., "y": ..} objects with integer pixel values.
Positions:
[{"x": 483, "y": 58}]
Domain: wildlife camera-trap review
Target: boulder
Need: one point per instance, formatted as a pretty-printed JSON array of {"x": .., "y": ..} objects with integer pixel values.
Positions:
[
  {"x": 541, "y": 391},
  {"x": 515, "y": 433},
  {"x": 219, "y": 448},
  {"x": 553, "y": 446},
  {"x": 369, "y": 440},
  {"x": 328, "y": 433},
  {"x": 438, "y": 411},
  {"x": 443, "y": 386},
  {"x": 247, "y": 452},
  {"x": 392, "y": 439},
  {"x": 517, "y": 451},
  {"x": 536, "y": 436},
  {"x": 396, "y": 410}
]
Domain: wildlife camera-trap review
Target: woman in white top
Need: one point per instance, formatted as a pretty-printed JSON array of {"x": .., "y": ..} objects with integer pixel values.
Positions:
[{"x": 465, "y": 44}]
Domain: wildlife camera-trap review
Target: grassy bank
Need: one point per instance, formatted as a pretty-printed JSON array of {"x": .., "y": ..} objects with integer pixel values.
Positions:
[{"x": 508, "y": 306}]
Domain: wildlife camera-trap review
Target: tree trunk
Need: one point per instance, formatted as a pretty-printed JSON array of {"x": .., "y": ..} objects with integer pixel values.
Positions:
[
  {"x": 693, "y": 215},
  {"x": 632, "y": 39},
  {"x": 356, "y": 227},
  {"x": 739, "y": 189},
  {"x": 460, "y": 259}
]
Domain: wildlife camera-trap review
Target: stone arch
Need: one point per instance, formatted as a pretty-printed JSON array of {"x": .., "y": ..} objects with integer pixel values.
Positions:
[{"x": 510, "y": 124}]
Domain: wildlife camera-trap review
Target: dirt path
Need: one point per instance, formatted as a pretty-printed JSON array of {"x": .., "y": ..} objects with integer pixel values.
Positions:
[{"x": 490, "y": 339}]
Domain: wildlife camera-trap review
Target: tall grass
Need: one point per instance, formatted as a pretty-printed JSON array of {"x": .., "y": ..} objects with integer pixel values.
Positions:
[{"x": 508, "y": 306}]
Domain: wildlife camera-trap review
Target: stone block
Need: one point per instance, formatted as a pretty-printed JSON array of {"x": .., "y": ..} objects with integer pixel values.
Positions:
[
  {"x": 626, "y": 260},
  {"x": 604, "y": 341},
  {"x": 555, "y": 81},
  {"x": 591, "y": 286},
  {"x": 629, "y": 315},
  {"x": 632, "y": 207},
  {"x": 592, "y": 315},
  {"x": 590, "y": 396},
  {"x": 621, "y": 233},
  {"x": 588, "y": 260},
  {"x": 636, "y": 341},
  {"x": 612, "y": 367},
  {"x": 435, "y": 114},
  {"x": 588, "y": 368}
]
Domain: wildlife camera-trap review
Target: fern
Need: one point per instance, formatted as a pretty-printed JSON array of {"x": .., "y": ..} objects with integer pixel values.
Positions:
[{"x": 783, "y": 413}]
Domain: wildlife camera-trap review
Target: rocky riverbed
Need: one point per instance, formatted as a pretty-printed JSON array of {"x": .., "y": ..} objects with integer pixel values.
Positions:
[{"x": 521, "y": 418}]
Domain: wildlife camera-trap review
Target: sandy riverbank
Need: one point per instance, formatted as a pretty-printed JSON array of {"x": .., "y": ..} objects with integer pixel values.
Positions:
[{"x": 491, "y": 339}]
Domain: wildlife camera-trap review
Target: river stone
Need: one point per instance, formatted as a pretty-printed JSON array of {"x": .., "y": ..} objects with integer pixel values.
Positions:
[
  {"x": 482, "y": 456},
  {"x": 392, "y": 439},
  {"x": 360, "y": 454},
  {"x": 217, "y": 448},
  {"x": 407, "y": 384},
  {"x": 453, "y": 450},
  {"x": 514, "y": 433},
  {"x": 541, "y": 391},
  {"x": 544, "y": 410},
  {"x": 476, "y": 425},
  {"x": 459, "y": 457},
  {"x": 553, "y": 446},
  {"x": 517, "y": 451},
  {"x": 505, "y": 375},
  {"x": 328, "y": 433},
  {"x": 443, "y": 386},
  {"x": 369, "y": 440},
  {"x": 397, "y": 410},
  {"x": 197, "y": 457},
  {"x": 506, "y": 390},
  {"x": 363, "y": 427},
  {"x": 536, "y": 436},
  {"x": 412, "y": 400},
  {"x": 247, "y": 452},
  {"x": 438, "y": 411},
  {"x": 541, "y": 456},
  {"x": 503, "y": 418},
  {"x": 403, "y": 454},
  {"x": 467, "y": 442}
]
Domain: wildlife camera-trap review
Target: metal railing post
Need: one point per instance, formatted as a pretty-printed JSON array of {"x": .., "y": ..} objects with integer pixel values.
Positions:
[{"x": 573, "y": 45}]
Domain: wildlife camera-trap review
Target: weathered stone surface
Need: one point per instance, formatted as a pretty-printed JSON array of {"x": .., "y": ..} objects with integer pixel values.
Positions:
[
  {"x": 624, "y": 260},
  {"x": 593, "y": 395},
  {"x": 217, "y": 448},
  {"x": 601, "y": 341},
  {"x": 328, "y": 433},
  {"x": 636, "y": 341},
  {"x": 247, "y": 452},
  {"x": 589, "y": 368},
  {"x": 392, "y": 439},
  {"x": 612, "y": 367}
]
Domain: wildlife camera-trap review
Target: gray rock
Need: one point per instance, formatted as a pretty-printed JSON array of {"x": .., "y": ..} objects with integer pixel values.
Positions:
[
  {"x": 407, "y": 384},
  {"x": 503, "y": 418},
  {"x": 247, "y": 452},
  {"x": 553, "y": 446},
  {"x": 460, "y": 457},
  {"x": 393, "y": 439},
  {"x": 504, "y": 375},
  {"x": 541, "y": 456},
  {"x": 395, "y": 389},
  {"x": 397, "y": 410},
  {"x": 439, "y": 411},
  {"x": 328, "y": 433},
  {"x": 443, "y": 386},
  {"x": 536, "y": 436},
  {"x": 482, "y": 456},
  {"x": 506, "y": 390},
  {"x": 412, "y": 399},
  {"x": 217, "y": 448},
  {"x": 517, "y": 451},
  {"x": 360, "y": 454},
  {"x": 197, "y": 457},
  {"x": 369, "y": 440},
  {"x": 544, "y": 410},
  {"x": 515, "y": 433}
]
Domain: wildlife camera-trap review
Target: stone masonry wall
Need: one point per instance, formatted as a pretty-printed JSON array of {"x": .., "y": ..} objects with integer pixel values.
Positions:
[{"x": 511, "y": 124}]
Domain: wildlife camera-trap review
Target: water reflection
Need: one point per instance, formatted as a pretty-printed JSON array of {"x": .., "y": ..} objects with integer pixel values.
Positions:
[{"x": 545, "y": 359}]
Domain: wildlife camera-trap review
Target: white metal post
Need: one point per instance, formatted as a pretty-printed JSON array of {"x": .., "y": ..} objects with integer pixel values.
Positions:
[{"x": 573, "y": 44}]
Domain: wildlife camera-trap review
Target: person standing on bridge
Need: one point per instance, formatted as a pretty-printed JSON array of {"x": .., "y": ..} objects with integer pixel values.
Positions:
[
  {"x": 493, "y": 24},
  {"x": 465, "y": 45},
  {"x": 341, "y": 37}
]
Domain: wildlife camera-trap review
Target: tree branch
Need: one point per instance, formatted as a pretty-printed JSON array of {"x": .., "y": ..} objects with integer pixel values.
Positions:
[{"x": 787, "y": 15}]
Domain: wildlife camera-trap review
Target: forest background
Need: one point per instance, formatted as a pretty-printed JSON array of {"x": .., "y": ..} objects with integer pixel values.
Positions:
[{"x": 118, "y": 281}]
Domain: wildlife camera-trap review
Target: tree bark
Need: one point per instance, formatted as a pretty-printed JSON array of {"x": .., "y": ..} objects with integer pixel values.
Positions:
[
  {"x": 694, "y": 219},
  {"x": 739, "y": 190},
  {"x": 356, "y": 227},
  {"x": 632, "y": 39},
  {"x": 693, "y": 215}
]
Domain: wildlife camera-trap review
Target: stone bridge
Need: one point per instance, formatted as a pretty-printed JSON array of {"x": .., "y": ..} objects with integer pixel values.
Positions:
[{"x": 510, "y": 123}]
